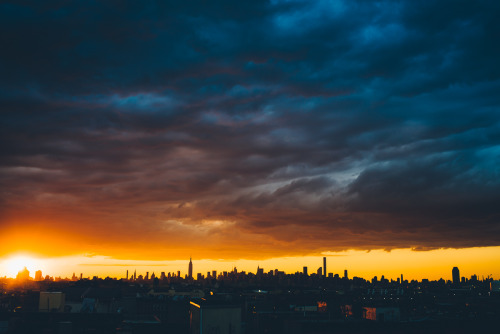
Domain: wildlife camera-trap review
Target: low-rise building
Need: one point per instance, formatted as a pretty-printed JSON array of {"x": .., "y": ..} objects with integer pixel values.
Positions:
[
  {"x": 207, "y": 317},
  {"x": 385, "y": 313}
]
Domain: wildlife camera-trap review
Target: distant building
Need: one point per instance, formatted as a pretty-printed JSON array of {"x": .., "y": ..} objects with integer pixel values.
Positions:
[
  {"x": 190, "y": 269},
  {"x": 456, "y": 275},
  {"x": 495, "y": 286},
  {"x": 346, "y": 310},
  {"x": 38, "y": 275},
  {"x": 51, "y": 301},
  {"x": 304, "y": 271},
  {"x": 306, "y": 308},
  {"x": 382, "y": 314},
  {"x": 206, "y": 317},
  {"x": 324, "y": 266},
  {"x": 345, "y": 274},
  {"x": 23, "y": 275}
]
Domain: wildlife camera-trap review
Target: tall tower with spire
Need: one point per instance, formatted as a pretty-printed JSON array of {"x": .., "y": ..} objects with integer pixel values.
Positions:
[{"x": 190, "y": 270}]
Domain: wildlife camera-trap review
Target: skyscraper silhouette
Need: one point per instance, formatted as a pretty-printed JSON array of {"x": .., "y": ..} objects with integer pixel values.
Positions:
[
  {"x": 38, "y": 275},
  {"x": 324, "y": 266},
  {"x": 456, "y": 275},
  {"x": 190, "y": 269}
]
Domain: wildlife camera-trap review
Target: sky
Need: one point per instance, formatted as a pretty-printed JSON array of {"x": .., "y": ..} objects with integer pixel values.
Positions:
[{"x": 249, "y": 130}]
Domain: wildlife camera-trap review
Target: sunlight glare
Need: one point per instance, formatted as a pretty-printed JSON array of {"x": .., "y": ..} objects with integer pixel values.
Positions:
[{"x": 17, "y": 263}]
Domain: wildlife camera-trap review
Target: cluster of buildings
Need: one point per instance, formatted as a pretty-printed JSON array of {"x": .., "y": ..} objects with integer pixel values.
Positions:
[
  {"x": 260, "y": 274},
  {"x": 239, "y": 302}
]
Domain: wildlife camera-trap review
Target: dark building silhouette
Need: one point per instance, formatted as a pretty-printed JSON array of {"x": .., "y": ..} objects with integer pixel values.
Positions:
[
  {"x": 190, "y": 269},
  {"x": 324, "y": 266},
  {"x": 212, "y": 317},
  {"x": 456, "y": 275}
]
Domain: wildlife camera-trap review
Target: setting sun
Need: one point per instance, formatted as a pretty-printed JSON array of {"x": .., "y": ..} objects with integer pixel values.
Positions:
[{"x": 17, "y": 263}]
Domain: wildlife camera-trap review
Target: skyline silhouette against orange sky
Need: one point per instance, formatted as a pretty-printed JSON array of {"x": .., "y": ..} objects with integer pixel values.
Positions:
[{"x": 434, "y": 265}]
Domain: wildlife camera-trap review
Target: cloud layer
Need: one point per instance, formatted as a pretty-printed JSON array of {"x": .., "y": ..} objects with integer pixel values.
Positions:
[{"x": 251, "y": 128}]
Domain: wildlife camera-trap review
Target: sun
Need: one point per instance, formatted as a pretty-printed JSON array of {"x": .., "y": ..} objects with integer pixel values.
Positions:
[{"x": 12, "y": 265}]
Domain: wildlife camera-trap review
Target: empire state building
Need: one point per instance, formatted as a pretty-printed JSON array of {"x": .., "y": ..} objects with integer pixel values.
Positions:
[{"x": 190, "y": 270}]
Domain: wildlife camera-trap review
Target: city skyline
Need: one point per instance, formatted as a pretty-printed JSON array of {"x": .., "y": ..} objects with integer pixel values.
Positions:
[
  {"x": 256, "y": 302},
  {"x": 316, "y": 264},
  {"x": 24, "y": 275},
  {"x": 256, "y": 133}
]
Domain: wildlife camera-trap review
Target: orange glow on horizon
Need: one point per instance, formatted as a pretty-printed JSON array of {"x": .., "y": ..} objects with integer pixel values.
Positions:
[
  {"x": 36, "y": 239},
  {"x": 435, "y": 264}
]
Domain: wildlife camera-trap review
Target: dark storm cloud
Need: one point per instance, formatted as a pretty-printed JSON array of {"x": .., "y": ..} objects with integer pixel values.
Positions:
[{"x": 300, "y": 125}]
